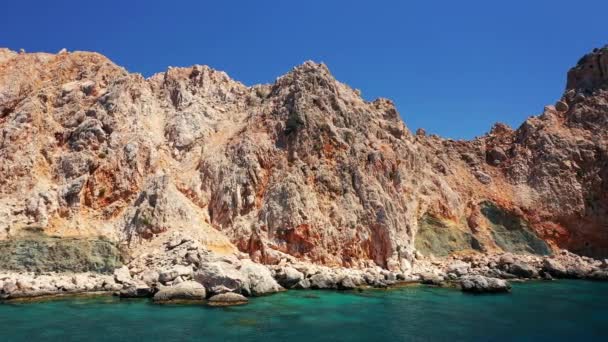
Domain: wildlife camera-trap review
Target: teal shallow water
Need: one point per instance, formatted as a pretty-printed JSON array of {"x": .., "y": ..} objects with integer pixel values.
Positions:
[{"x": 564, "y": 310}]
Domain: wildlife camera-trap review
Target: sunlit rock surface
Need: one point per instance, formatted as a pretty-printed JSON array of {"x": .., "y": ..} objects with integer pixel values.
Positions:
[{"x": 189, "y": 166}]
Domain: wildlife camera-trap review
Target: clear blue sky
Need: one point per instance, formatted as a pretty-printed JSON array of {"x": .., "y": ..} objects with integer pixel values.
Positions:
[{"x": 452, "y": 67}]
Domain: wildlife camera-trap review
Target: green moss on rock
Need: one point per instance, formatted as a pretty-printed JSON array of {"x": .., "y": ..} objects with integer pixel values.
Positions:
[
  {"x": 51, "y": 254},
  {"x": 441, "y": 238},
  {"x": 511, "y": 232}
]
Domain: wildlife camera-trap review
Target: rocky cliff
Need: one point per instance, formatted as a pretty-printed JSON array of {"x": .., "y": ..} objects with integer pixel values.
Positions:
[{"x": 303, "y": 169}]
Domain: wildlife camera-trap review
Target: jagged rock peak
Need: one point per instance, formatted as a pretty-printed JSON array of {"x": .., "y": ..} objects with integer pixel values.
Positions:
[
  {"x": 591, "y": 71},
  {"x": 309, "y": 67},
  {"x": 500, "y": 129},
  {"x": 308, "y": 77}
]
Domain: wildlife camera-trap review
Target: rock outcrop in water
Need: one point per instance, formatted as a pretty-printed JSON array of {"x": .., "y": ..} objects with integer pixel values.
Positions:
[{"x": 191, "y": 169}]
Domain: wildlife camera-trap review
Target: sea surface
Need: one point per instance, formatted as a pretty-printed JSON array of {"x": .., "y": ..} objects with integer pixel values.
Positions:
[{"x": 556, "y": 311}]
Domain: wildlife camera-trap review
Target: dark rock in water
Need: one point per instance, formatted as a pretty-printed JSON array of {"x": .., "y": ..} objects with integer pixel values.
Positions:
[
  {"x": 578, "y": 271},
  {"x": 377, "y": 282},
  {"x": 554, "y": 268},
  {"x": 481, "y": 284},
  {"x": 545, "y": 275},
  {"x": 380, "y": 284},
  {"x": 311, "y": 296},
  {"x": 136, "y": 292},
  {"x": 390, "y": 282},
  {"x": 522, "y": 270},
  {"x": 496, "y": 273},
  {"x": 302, "y": 284},
  {"x": 288, "y": 277},
  {"x": 187, "y": 290},
  {"x": 598, "y": 275},
  {"x": 228, "y": 299},
  {"x": 346, "y": 283},
  {"x": 431, "y": 279}
]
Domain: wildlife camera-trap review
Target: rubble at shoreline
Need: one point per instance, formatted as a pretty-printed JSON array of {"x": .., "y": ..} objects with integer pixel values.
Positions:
[{"x": 212, "y": 276}]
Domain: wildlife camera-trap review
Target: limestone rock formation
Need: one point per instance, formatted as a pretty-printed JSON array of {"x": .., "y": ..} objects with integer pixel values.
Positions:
[
  {"x": 188, "y": 290},
  {"x": 481, "y": 284},
  {"x": 192, "y": 175},
  {"x": 228, "y": 299}
]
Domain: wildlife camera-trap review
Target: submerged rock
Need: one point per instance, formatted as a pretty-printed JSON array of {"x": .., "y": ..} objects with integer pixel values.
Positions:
[{"x": 228, "y": 299}]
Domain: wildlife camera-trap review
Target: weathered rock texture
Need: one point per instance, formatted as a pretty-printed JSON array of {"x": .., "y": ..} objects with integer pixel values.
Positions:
[
  {"x": 41, "y": 254},
  {"x": 302, "y": 169}
]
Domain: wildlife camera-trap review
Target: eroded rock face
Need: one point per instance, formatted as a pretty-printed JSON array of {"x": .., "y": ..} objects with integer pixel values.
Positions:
[
  {"x": 45, "y": 254},
  {"x": 26, "y": 284},
  {"x": 220, "y": 277},
  {"x": 260, "y": 279},
  {"x": 591, "y": 71},
  {"x": 289, "y": 276},
  {"x": 302, "y": 169}
]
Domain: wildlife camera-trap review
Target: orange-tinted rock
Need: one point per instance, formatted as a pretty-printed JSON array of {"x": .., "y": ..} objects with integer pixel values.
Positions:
[{"x": 302, "y": 167}]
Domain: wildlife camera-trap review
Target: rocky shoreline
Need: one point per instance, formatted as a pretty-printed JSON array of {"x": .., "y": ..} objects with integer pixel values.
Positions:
[
  {"x": 191, "y": 273},
  {"x": 188, "y": 185}
]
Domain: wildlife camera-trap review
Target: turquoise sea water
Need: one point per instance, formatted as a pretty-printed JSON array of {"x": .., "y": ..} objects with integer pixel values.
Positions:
[{"x": 562, "y": 310}]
